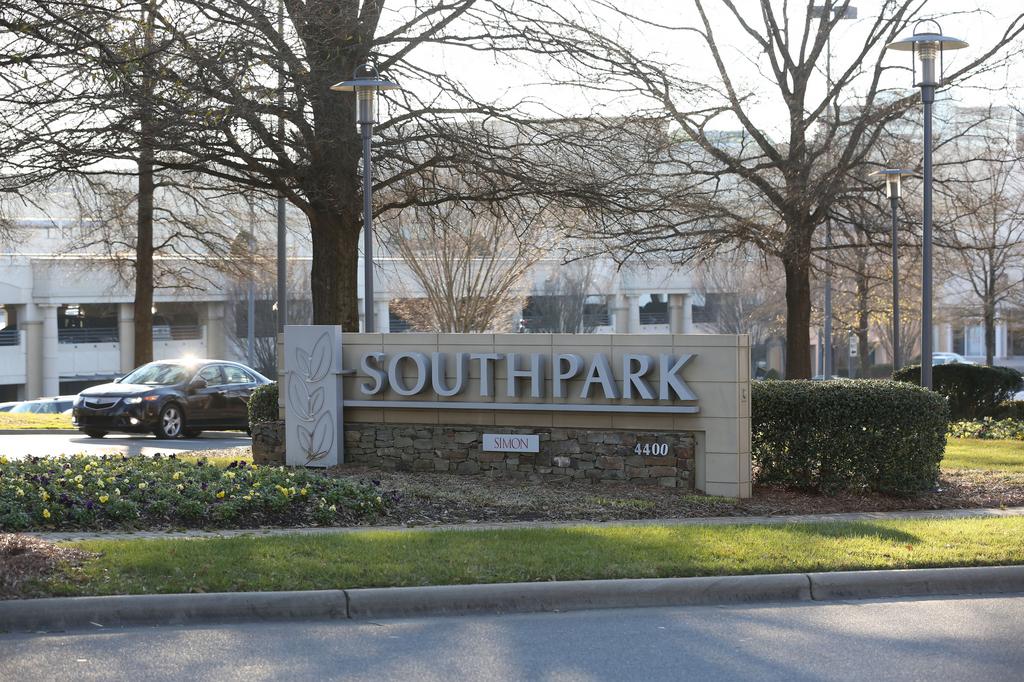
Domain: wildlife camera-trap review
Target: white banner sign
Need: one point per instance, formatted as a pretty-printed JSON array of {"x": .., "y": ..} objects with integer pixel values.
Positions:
[{"x": 510, "y": 442}]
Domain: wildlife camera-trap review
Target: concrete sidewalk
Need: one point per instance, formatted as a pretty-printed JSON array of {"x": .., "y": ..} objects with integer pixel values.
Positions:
[
  {"x": 39, "y": 615},
  {"x": 688, "y": 521}
]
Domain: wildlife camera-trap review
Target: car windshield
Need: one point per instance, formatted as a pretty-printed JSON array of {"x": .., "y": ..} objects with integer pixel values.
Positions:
[
  {"x": 157, "y": 374},
  {"x": 28, "y": 407}
]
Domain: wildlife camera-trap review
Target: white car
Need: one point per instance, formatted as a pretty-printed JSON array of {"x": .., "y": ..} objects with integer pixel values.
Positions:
[{"x": 950, "y": 359}]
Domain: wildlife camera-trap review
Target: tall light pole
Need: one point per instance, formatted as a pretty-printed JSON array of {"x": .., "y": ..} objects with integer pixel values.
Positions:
[
  {"x": 927, "y": 46},
  {"x": 365, "y": 83},
  {"x": 282, "y": 232},
  {"x": 893, "y": 190},
  {"x": 817, "y": 12}
]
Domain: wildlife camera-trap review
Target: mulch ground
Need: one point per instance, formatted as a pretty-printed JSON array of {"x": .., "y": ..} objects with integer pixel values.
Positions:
[
  {"x": 424, "y": 498},
  {"x": 25, "y": 560}
]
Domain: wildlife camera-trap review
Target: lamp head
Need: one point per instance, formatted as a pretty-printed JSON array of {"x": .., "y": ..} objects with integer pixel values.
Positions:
[
  {"x": 893, "y": 180},
  {"x": 925, "y": 44},
  {"x": 366, "y": 81}
]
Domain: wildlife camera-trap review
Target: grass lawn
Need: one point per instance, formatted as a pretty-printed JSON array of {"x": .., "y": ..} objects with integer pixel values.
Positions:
[
  {"x": 29, "y": 421},
  {"x": 972, "y": 453},
  {"x": 397, "y": 558}
]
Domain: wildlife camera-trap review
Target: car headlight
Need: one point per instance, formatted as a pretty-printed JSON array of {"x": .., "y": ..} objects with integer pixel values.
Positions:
[{"x": 134, "y": 400}]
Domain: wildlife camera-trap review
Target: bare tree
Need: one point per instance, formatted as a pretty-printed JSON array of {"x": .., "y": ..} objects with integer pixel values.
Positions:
[
  {"x": 470, "y": 263},
  {"x": 764, "y": 185},
  {"x": 559, "y": 305},
  {"x": 981, "y": 233}
]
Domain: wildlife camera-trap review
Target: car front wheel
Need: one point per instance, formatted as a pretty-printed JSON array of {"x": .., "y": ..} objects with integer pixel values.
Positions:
[{"x": 171, "y": 422}]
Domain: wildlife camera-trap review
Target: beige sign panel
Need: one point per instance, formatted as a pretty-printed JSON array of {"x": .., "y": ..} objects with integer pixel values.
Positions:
[{"x": 634, "y": 382}]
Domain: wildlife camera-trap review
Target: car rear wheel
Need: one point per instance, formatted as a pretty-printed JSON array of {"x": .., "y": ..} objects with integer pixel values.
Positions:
[
  {"x": 171, "y": 423},
  {"x": 95, "y": 434}
]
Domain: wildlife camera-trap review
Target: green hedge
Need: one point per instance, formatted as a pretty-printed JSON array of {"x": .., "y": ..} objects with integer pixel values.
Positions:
[
  {"x": 866, "y": 435},
  {"x": 974, "y": 391},
  {"x": 263, "y": 405}
]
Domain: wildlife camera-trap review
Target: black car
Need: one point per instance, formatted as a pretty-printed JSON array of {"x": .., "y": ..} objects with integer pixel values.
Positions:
[{"x": 170, "y": 398}]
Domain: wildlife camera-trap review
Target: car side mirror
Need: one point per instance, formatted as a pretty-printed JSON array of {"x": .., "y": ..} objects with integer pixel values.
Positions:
[
  {"x": 198, "y": 383},
  {"x": 117, "y": 380}
]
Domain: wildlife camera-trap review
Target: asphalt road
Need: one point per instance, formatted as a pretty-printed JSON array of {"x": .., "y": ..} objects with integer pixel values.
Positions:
[
  {"x": 908, "y": 639},
  {"x": 16, "y": 446}
]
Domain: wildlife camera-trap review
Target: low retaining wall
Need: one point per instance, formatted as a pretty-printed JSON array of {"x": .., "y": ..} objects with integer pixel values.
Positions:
[{"x": 564, "y": 454}]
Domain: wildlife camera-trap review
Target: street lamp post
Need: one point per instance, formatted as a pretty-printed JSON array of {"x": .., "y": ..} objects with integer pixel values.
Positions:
[
  {"x": 366, "y": 81},
  {"x": 893, "y": 190},
  {"x": 817, "y": 12},
  {"x": 927, "y": 45}
]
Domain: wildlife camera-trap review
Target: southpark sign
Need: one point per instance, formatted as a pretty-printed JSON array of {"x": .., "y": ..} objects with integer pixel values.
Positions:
[
  {"x": 529, "y": 374},
  {"x": 630, "y": 382}
]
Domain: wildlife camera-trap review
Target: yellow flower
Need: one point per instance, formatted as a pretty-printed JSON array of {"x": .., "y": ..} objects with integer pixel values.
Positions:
[
  {"x": 246, "y": 497},
  {"x": 303, "y": 492},
  {"x": 3, "y": 460},
  {"x": 220, "y": 494},
  {"x": 45, "y": 495},
  {"x": 80, "y": 486},
  {"x": 19, "y": 492},
  {"x": 104, "y": 498},
  {"x": 100, "y": 483},
  {"x": 117, "y": 491},
  {"x": 142, "y": 486},
  {"x": 46, "y": 513},
  {"x": 180, "y": 487},
  {"x": 230, "y": 474},
  {"x": 78, "y": 478},
  {"x": 332, "y": 508},
  {"x": 176, "y": 476}
]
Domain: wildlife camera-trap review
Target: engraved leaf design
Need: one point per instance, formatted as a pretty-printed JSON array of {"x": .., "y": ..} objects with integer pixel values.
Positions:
[
  {"x": 302, "y": 360},
  {"x": 316, "y": 401},
  {"x": 321, "y": 440},
  {"x": 320, "y": 359},
  {"x": 305, "y": 439},
  {"x": 298, "y": 399}
]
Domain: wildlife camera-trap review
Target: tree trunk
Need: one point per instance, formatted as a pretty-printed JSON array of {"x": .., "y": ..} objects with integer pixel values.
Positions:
[
  {"x": 990, "y": 333},
  {"x": 798, "y": 315},
  {"x": 863, "y": 317},
  {"x": 144, "y": 232},
  {"x": 334, "y": 274},
  {"x": 144, "y": 261}
]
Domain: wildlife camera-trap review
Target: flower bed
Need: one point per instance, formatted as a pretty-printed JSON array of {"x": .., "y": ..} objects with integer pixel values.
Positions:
[
  {"x": 989, "y": 429},
  {"x": 83, "y": 492}
]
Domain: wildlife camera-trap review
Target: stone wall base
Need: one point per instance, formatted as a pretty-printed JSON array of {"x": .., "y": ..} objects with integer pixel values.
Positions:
[
  {"x": 565, "y": 453},
  {"x": 268, "y": 443}
]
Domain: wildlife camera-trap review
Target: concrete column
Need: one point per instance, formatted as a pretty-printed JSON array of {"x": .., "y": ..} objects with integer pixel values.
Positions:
[
  {"x": 216, "y": 338},
  {"x": 383, "y": 316},
  {"x": 362, "y": 315},
  {"x": 680, "y": 313},
  {"x": 775, "y": 355},
  {"x": 51, "y": 372},
  {"x": 30, "y": 319},
  {"x": 633, "y": 302},
  {"x": 126, "y": 336},
  {"x": 620, "y": 313},
  {"x": 1000, "y": 340}
]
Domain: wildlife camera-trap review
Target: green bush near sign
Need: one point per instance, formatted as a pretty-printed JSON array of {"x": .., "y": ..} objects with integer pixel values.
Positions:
[
  {"x": 868, "y": 435},
  {"x": 974, "y": 391},
  {"x": 263, "y": 405}
]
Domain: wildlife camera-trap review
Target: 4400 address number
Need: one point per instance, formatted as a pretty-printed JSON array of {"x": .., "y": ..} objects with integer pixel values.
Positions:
[{"x": 652, "y": 449}]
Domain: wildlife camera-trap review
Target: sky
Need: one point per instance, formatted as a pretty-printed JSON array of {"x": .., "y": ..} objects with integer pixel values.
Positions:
[{"x": 976, "y": 21}]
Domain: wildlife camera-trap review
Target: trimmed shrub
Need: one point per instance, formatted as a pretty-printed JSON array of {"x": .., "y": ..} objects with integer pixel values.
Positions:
[
  {"x": 974, "y": 391},
  {"x": 1010, "y": 409},
  {"x": 867, "y": 435},
  {"x": 263, "y": 405}
]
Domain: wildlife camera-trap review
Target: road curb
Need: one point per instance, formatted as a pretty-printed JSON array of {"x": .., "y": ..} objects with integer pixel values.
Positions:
[
  {"x": 37, "y": 432},
  {"x": 66, "y": 613}
]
